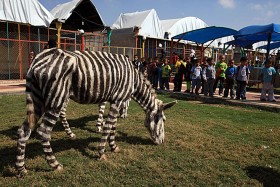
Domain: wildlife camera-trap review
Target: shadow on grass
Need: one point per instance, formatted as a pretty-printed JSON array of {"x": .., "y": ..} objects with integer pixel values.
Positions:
[
  {"x": 269, "y": 177},
  {"x": 8, "y": 155},
  {"x": 75, "y": 123},
  {"x": 79, "y": 123},
  {"x": 133, "y": 139}
]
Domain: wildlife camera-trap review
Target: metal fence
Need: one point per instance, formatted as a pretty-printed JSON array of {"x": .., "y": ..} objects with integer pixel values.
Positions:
[
  {"x": 17, "y": 41},
  {"x": 128, "y": 51}
]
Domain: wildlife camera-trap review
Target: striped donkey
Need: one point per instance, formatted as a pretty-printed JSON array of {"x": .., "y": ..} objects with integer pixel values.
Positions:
[{"x": 85, "y": 77}]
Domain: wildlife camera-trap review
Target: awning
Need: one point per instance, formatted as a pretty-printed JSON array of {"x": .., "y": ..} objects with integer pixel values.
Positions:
[{"x": 204, "y": 35}]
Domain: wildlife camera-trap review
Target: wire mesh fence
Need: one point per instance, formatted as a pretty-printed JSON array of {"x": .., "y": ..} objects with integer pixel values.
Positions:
[{"x": 18, "y": 42}]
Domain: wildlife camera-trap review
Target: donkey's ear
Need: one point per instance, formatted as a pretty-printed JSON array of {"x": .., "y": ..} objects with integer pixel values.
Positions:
[{"x": 168, "y": 105}]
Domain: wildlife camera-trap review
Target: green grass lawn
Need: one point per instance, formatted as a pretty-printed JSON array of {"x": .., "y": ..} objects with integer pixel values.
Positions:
[{"x": 206, "y": 145}]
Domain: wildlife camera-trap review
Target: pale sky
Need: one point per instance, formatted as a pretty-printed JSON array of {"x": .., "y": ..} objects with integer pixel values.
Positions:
[{"x": 227, "y": 13}]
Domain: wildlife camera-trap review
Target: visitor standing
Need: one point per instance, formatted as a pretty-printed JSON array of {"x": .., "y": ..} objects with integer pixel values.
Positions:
[
  {"x": 177, "y": 79},
  {"x": 203, "y": 66},
  {"x": 220, "y": 67},
  {"x": 267, "y": 75},
  {"x": 242, "y": 79},
  {"x": 230, "y": 74},
  {"x": 188, "y": 75},
  {"x": 136, "y": 62},
  {"x": 208, "y": 75},
  {"x": 196, "y": 77},
  {"x": 165, "y": 74}
]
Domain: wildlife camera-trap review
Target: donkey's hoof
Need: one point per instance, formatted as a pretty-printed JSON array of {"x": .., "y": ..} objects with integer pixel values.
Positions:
[
  {"x": 21, "y": 173},
  {"x": 59, "y": 168},
  {"x": 103, "y": 157},
  {"x": 73, "y": 136},
  {"x": 116, "y": 150}
]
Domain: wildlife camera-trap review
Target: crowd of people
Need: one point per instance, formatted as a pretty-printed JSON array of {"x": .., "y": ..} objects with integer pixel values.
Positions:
[{"x": 205, "y": 78}]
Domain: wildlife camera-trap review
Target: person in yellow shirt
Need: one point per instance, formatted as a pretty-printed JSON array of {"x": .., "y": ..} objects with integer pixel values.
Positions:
[{"x": 177, "y": 78}]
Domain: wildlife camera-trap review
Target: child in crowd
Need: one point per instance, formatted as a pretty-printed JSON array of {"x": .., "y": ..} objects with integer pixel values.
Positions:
[
  {"x": 208, "y": 75},
  {"x": 203, "y": 66},
  {"x": 165, "y": 74},
  {"x": 150, "y": 70},
  {"x": 160, "y": 64},
  {"x": 230, "y": 73},
  {"x": 268, "y": 74},
  {"x": 188, "y": 74},
  {"x": 155, "y": 73},
  {"x": 196, "y": 77},
  {"x": 242, "y": 78},
  {"x": 143, "y": 66},
  {"x": 220, "y": 67},
  {"x": 136, "y": 62}
]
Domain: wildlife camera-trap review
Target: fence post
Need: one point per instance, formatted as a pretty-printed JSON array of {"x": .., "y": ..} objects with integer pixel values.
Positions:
[
  {"x": 20, "y": 54},
  {"x": 9, "y": 61},
  {"x": 58, "y": 27}
]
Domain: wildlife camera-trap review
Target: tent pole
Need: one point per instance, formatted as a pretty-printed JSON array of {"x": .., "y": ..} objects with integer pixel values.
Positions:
[{"x": 268, "y": 46}]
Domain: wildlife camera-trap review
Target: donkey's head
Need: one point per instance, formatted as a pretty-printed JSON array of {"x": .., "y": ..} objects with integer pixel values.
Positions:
[{"x": 155, "y": 120}]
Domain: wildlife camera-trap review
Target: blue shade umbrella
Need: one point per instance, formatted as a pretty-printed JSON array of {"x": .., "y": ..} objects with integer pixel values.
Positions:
[
  {"x": 201, "y": 36},
  {"x": 256, "y": 33},
  {"x": 274, "y": 45},
  {"x": 206, "y": 34},
  {"x": 241, "y": 42}
]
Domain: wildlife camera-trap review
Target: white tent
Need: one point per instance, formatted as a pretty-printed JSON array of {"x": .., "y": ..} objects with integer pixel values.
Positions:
[
  {"x": 63, "y": 11},
  {"x": 25, "y": 11},
  {"x": 181, "y": 25},
  {"x": 147, "y": 21}
]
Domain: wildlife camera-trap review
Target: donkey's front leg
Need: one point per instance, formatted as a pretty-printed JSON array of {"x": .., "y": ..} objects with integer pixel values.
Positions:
[{"x": 109, "y": 130}]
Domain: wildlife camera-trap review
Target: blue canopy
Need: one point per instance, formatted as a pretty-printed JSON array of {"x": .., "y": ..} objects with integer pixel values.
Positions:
[
  {"x": 259, "y": 30},
  {"x": 256, "y": 33},
  {"x": 274, "y": 45},
  {"x": 205, "y": 34},
  {"x": 242, "y": 42}
]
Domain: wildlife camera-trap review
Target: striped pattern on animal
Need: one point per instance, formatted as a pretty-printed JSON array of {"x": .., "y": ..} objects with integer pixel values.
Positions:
[{"x": 85, "y": 77}]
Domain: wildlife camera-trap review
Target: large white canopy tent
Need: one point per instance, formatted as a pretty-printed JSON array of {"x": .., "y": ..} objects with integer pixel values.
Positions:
[
  {"x": 25, "y": 11},
  {"x": 147, "y": 21},
  {"x": 181, "y": 25},
  {"x": 151, "y": 26}
]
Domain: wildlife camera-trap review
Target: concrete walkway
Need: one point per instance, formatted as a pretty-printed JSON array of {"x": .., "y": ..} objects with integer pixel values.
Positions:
[{"x": 253, "y": 98}]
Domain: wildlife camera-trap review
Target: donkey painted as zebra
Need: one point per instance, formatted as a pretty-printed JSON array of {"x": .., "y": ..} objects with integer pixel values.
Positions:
[{"x": 85, "y": 77}]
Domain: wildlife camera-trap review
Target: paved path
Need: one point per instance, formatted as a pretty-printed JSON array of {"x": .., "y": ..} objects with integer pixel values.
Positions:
[{"x": 253, "y": 98}]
